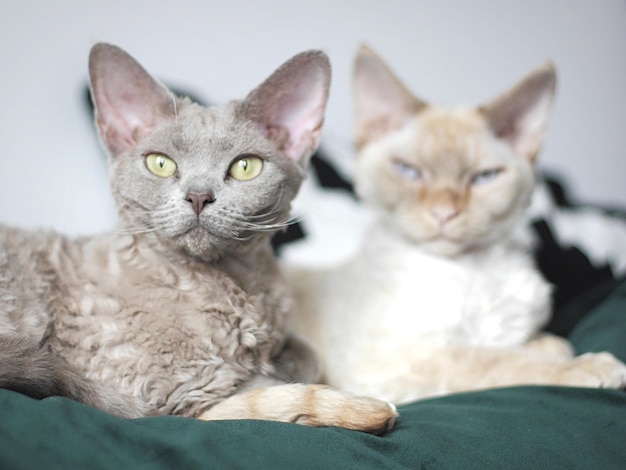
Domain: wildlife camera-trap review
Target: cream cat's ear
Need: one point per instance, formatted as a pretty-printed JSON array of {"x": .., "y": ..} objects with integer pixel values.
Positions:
[
  {"x": 129, "y": 102},
  {"x": 520, "y": 116},
  {"x": 382, "y": 102},
  {"x": 290, "y": 104}
]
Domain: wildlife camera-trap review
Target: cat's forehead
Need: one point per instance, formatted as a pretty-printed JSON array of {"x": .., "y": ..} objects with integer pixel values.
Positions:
[
  {"x": 456, "y": 122},
  {"x": 437, "y": 135},
  {"x": 218, "y": 130}
]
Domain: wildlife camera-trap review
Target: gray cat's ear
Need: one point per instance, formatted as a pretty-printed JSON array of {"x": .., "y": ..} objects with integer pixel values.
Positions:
[
  {"x": 129, "y": 103},
  {"x": 382, "y": 102},
  {"x": 520, "y": 116},
  {"x": 289, "y": 105}
]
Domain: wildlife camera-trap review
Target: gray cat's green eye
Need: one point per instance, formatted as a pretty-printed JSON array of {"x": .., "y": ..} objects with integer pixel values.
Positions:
[
  {"x": 246, "y": 168},
  {"x": 160, "y": 165}
]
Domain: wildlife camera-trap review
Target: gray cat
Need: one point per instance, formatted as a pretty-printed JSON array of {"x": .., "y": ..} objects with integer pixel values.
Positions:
[{"x": 182, "y": 309}]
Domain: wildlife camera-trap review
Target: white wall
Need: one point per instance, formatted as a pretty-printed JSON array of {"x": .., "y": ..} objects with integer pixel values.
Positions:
[{"x": 447, "y": 51}]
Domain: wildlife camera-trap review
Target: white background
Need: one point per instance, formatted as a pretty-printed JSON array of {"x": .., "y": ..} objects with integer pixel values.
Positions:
[{"x": 52, "y": 172}]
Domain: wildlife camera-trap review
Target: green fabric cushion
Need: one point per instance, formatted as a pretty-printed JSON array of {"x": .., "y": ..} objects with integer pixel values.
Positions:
[
  {"x": 520, "y": 427},
  {"x": 517, "y": 427},
  {"x": 604, "y": 327}
]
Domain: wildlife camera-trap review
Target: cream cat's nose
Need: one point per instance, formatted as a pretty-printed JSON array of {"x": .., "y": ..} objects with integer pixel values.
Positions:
[
  {"x": 199, "y": 200},
  {"x": 444, "y": 213}
]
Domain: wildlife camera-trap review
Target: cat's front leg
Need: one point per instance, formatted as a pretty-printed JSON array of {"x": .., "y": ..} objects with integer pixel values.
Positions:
[
  {"x": 597, "y": 370},
  {"x": 551, "y": 345},
  {"x": 310, "y": 405},
  {"x": 458, "y": 369}
]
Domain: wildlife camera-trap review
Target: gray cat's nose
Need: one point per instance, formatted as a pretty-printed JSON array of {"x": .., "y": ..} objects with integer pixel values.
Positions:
[{"x": 199, "y": 200}]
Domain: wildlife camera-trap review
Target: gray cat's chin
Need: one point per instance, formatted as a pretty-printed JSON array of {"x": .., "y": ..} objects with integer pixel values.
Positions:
[{"x": 200, "y": 243}]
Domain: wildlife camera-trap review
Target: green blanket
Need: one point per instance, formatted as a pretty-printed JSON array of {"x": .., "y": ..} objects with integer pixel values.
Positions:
[{"x": 518, "y": 427}]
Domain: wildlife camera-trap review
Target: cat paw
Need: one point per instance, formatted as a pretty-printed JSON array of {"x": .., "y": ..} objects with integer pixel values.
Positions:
[
  {"x": 598, "y": 370},
  {"x": 310, "y": 405},
  {"x": 551, "y": 345},
  {"x": 344, "y": 410}
]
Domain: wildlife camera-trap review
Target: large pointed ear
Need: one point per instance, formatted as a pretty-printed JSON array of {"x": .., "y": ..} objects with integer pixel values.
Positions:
[
  {"x": 128, "y": 102},
  {"x": 520, "y": 115},
  {"x": 382, "y": 102},
  {"x": 289, "y": 105}
]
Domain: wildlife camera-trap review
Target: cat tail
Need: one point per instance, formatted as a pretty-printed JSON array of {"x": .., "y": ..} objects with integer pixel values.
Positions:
[
  {"x": 270, "y": 398},
  {"x": 311, "y": 405},
  {"x": 35, "y": 370}
]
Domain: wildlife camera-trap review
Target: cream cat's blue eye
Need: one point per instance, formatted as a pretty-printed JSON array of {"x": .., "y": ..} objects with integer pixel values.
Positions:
[
  {"x": 161, "y": 165},
  {"x": 406, "y": 170},
  {"x": 246, "y": 168},
  {"x": 485, "y": 176}
]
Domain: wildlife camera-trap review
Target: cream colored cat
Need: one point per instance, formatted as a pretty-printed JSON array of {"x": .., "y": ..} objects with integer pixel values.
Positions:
[{"x": 441, "y": 297}]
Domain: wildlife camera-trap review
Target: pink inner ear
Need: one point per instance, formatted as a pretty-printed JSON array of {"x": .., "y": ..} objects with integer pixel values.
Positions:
[
  {"x": 520, "y": 115},
  {"x": 382, "y": 102},
  {"x": 300, "y": 119},
  {"x": 523, "y": 125},
  {"x": 128, "y": 119},
  {"x": 129, "y": 102},
  {"x": 289, "y": 105},
  {"x": 119, "y": 126},
  {"x": 527, "y": 137}
]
